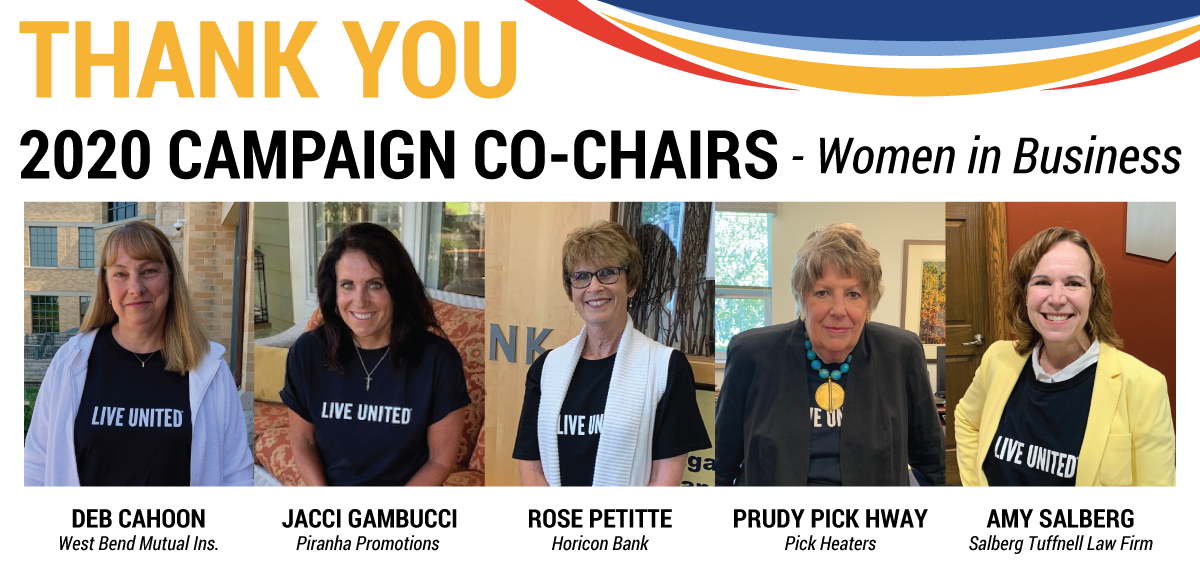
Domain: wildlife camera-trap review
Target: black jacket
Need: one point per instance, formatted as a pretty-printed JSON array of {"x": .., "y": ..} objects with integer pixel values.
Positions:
[{"x": 763, "y": 432}]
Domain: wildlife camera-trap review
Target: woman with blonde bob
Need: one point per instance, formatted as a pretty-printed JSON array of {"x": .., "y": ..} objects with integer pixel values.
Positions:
[
  {"x": 1062, "y": 405},
  {"x": 871, "y": 414},
  {"x": 139, "y": 396},
  {"x": 611, "y": 406}
]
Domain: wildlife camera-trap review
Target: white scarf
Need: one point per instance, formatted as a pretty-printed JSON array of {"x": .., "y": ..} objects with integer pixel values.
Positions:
[{"x": 639, "y": 380}]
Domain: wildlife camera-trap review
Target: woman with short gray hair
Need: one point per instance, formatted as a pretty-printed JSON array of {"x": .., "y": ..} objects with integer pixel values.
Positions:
[{"x": 871, "y": 413}]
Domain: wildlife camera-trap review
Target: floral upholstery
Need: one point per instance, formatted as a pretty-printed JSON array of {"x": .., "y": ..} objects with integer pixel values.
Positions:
[{"x": 464, "y": 327}]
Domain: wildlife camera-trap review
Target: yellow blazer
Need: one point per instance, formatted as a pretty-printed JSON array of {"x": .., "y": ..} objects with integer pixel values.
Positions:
[{"x": 1129, "y": 440}]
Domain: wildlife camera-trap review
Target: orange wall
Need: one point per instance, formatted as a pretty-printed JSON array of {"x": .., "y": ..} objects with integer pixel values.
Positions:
[{"x": 1143, "y": 289}]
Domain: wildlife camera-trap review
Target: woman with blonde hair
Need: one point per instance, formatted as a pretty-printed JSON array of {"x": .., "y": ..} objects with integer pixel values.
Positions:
[
  {"x": 1062, "y": 405},
  {"x": 871, "y": 413},
  {"x": 139, "y": 396},
  {"x": 611, "y": 406}
]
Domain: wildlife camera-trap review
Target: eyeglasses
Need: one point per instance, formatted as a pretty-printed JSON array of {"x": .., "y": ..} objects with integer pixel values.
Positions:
[{"x": 607, "y": 276}]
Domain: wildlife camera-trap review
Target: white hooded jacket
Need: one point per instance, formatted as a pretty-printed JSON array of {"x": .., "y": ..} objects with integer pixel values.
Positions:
[{"x": 220, "y": 454}]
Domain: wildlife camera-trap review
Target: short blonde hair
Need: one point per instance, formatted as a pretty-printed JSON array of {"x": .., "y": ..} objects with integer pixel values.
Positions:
[
  {"x": 843, "y": 246},
  {"x": 1020, "y": 270},
  {"x": 184, "y": 341},
  {"x": 605, "y": 244}
]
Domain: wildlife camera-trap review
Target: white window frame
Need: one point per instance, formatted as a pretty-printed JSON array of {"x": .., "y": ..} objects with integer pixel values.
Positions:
[
  {"x": 413, "y": 234},
  {"x": 738, "y": 292},
  {"x": 728, "y": 292}
]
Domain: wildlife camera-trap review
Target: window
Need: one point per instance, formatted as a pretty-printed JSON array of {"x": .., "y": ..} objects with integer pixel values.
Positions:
[
  {"x": 329, "y": 218},
  {"x": 120, "y": 211},
  {"x": 454, "y": 254},
  {"x": 43, "y": 247},
  {"x": 45, "y": 314},
  {"x": 87, "y": 247},
  {"x": 743, "y": 274},
  {"x": 84, "y": 303}
]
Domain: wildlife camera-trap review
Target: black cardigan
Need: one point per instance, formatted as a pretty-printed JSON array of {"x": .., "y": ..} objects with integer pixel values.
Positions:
[{"x": 763, "y": 429}]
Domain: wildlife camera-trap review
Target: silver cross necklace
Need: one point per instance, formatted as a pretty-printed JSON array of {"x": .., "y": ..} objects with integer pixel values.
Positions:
[{"x": 364, "y": 364}]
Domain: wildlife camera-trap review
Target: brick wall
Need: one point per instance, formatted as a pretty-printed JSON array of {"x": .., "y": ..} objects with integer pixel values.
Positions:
[
  {"x": 50, "y": 279},
  {"x": 209, "y": 249},
  {"x": 248, "y": 338},
  {"x": 67, "y": 278},
  {"x": 60, "y": 211},
  {"x": 28, "y": 308}
]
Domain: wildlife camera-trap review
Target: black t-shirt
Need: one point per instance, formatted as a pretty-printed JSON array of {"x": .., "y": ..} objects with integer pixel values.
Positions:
[
  {"x": 376, "y": 437},
  {"x": 825, "y": 454},
  {"x": 134, "y": 425},
  {"x": 1041, "y": 431},
  {"x": 678, "y": 426}
]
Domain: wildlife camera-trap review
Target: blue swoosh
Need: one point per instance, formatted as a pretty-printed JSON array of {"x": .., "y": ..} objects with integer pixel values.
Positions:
[
  {"x": 868, "y": 47},
  {"x": 918, "y": 20}
]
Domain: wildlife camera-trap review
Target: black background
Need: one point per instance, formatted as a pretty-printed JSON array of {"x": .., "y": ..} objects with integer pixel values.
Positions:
[{"x": 571, "y": 91}]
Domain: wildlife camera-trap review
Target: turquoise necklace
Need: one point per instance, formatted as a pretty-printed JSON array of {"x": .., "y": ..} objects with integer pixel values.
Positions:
[{"x": 830, "y": 396}]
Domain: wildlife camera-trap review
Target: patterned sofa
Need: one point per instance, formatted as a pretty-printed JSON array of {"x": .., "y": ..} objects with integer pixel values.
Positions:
[{"x": 464, "y": 327}]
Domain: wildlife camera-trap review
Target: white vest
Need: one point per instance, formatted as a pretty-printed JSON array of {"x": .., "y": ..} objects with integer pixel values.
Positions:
[{"x": 638, "y": 382}]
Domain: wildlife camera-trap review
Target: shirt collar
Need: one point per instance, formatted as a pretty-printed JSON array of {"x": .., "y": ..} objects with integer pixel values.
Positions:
[{"x": 1091, "y": 356}]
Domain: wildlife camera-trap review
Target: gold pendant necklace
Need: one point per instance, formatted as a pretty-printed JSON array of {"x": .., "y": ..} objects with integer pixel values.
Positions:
[{"x": 829, "y": 396}]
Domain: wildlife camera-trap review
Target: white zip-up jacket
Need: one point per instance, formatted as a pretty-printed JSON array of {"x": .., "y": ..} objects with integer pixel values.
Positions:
[{"x": 220, "y": 454}]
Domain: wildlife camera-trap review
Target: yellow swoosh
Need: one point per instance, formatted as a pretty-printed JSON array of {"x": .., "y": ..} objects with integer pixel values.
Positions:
[{"x": 912, "y": 82}]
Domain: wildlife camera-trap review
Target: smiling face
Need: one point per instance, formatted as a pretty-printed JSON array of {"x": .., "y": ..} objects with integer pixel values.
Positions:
[
  {"x": 1059, "y": 294},
  {"x": 140, "y": 291},
  {"x": 835, "y": 310},
  {"x": 363, "y": 299},
  {"x": 601, "y": 305}
]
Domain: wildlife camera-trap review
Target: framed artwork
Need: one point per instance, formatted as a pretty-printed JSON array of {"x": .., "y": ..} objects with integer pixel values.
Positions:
[{"x": 923, "y": 293}]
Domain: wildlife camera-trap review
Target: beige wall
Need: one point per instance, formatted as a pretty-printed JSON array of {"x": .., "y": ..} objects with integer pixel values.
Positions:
[
  {"x": 524, "y": 289},
  {"x": 885, "y": 226},
  {"x": 271, "y": 238}
]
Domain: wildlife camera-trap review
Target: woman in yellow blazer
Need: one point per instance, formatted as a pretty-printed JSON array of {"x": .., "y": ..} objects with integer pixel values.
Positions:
[{"x": 1062, "y": 405}]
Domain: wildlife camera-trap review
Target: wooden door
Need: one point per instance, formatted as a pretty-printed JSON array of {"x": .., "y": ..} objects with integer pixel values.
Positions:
[{"x": 976, "y": 271}]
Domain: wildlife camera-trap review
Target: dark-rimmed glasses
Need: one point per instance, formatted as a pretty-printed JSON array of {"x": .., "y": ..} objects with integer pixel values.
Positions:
[{"x": 606, "y": 276}]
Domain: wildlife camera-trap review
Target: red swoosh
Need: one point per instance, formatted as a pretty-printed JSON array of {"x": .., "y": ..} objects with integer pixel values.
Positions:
[{"x": 1167, "y": 61}]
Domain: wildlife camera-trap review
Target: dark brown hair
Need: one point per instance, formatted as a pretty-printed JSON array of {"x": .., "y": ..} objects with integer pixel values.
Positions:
[
  {"x": 1020, "y": 270},
  {"x": 412, "y": 313}
]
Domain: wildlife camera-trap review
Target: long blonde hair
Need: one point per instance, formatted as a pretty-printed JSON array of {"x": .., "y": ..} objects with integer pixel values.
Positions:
[{"x": 184, "y": 341}]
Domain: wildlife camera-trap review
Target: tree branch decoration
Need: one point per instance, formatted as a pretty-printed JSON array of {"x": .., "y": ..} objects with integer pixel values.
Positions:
[
  {"x": 695, "y": 303},
  {"x": 650, "y": 307}
]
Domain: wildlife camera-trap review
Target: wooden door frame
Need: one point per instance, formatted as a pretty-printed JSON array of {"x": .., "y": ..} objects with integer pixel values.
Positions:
[{"x": 992, "y": 222}]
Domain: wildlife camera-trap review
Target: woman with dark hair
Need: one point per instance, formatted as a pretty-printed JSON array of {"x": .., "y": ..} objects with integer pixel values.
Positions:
[{"x": 376, "y": 395}]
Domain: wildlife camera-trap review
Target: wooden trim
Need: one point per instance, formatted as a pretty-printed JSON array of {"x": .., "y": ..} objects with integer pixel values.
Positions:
[
  {"x": 995, "y": 218},
  {"x": 704, "y": 371}
]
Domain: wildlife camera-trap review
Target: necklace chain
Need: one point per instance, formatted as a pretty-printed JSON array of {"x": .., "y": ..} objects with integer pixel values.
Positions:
[
  {"x": 145, "y": 360},
  {"x": 364, "y": 364}
]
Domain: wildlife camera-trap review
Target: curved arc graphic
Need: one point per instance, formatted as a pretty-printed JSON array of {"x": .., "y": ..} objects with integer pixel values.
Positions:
[
  {"x": 905, "y": 48},
  {"x": 578, "y": 16},
  {"x": 1180, "y": 56},
  {"x": 912, "y": 82}
]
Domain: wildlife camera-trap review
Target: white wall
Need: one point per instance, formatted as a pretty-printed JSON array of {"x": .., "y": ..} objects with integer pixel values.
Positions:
[{"x": 884, "y": 225}]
